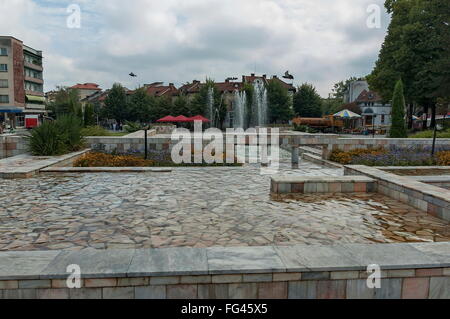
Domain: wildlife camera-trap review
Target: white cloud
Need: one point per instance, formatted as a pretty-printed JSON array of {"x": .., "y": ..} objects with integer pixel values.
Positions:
[{"x": 320, "y": 41}]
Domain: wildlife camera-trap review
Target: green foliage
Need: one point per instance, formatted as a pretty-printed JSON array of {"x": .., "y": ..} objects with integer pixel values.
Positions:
[
  {"x": 45, "y": 140},
  {"x": 140, "y": 106},
  {"x": 89, "y": 115},
  {"x": 131, "y": 127},
  {"x": 95, "y": 131},
  {"x": 66, "y": 101},
  {"x": 430, "y": 134},
  {"x": 331, "y": 106},
  {"x": 340, "y": 88},
  {"x": 70, "y": 127},
  {"x": 280, "y": 104},
  {"x": 181, "y": 107},
  {"x": 116, "y": 104},
  {"x": 56, "y": 138},
  {"x": 307, "y": 102},
  {"x": 398, "y": 127},
  {"x": 304, "y": 128}
]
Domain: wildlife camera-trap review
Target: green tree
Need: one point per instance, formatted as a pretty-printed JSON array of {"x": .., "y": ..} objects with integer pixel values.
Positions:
[
  {"x": 161, "y": 107},
  {"x": 66, "y": 102},
  {"x": 340, "y": 88},
  {"x": 280, "y": 103},
  {"x": 139, "y": 106},
  {"x": 181, "y": 107},
  {"x": 398, "y": 128},
  {"x": 89, "y": 118},
  {"x": 331, "y": 106},
  {"x": 116, "y": 104},
  {"x": 307, "y": 102}
]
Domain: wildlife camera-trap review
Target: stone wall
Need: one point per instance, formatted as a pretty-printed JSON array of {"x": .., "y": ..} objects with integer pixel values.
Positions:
[
  {"x": 294, "y": 272},
  {"x": 12, "y": 146}
]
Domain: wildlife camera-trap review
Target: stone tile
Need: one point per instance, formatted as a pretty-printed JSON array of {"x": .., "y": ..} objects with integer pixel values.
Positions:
[
  {"x": 103, "y": 282},
  {"x": 171, "y": 261},
  {"x": 390, "y": 289},
  {"x": 53, "y": 293},
  {"x": 316, "y": 258},
  {"x": 439, "y": 288},
  {"x": 331, "y": 289},
  {"x": 257, "y": 278},
  {"x": 436, "y": 272},
  {"x": 9, "y": 284},
  {"x": 439, "y": 252},
  {"x": 273, "y": 290},
  {"x": 402, "y": 273},
  {"x": 243, "y": 260},
  {"x": 243, "y": 291},
  {"x": 85, "y": 293},
  {"x": 415, "y": 288},
  {"x": 224, "y": 279},
  {"x": 118, "y": 293},
  {"x": 302, "y": 289},
  {"x": 32, "y": 284},
  {"x": 388, "y": 256},
  {"x": 138, "y": 281},
  {"x": 357, "y": 289},
  {"x": 150, "y": 292},
  {"x": 338, "y": 275},
  {"x": 170, "y": 280},
  {"x": 214, "y": 291},
  {"x": 24, "y": 265},
  {"x": 295, "y": 276},
  {"x": 195, "y": 280},
  {"x": 93, "y": 263},
  {"x": 182, "y": 292},
  {"x": 315, "y": 275},
  {"x": 19, "y": 294}
]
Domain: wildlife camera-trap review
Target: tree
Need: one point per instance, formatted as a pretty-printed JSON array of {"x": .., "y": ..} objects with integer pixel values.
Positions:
[
  {"x": 342, "y": 87},
  {"x": 398, "y": 128},
  {"x": 331, "y": 106},
  {"x": 116, "y": 104},
  {"x": 161, "y": 107},
  {"x": 307, "y": 102},
  {"x": 139, "y": 106},
  {"x": 200, "y": 104},
  {"x": 89, "y": 115},
  {"x": 280, "y": 104},
  {"x": 181, "y": 107},
  {"x": 66, "y": 102}
]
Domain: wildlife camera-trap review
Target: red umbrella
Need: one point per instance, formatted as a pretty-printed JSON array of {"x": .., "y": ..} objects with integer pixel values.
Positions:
[
  {"x": 166, "y": 119},
  {"x": 199, "y": 118},
  {"x": 181, "y": 118}
]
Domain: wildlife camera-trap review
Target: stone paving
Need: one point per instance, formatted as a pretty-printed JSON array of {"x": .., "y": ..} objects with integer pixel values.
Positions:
[{"x": 197, "y": 207}]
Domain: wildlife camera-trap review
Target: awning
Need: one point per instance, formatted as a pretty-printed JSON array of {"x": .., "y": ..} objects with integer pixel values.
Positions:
[
  {"x": 31, "y": 111},
  {"x": 10, "y": 109},
  {"x": 347, "y": 114},
  {"x": 34, "y": 98}
]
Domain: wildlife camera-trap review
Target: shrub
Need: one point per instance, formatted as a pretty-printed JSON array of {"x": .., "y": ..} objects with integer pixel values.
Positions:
[
  {"x": 132, "y": 127},
  {"x": 46, "y": 140},
  {"x": 430, "y": 134},
  {"x": 94, "y": 131},
  {"x": 56, "y": 138},
  {"x": 398, "y": 127},
  {"x": 108, "y": 160},
  {"x": 443, "y": 158}
]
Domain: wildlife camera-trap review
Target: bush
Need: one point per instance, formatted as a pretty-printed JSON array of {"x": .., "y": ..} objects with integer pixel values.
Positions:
[
  {"x": 430, "y": 134},
  {"x": 443, "y": 158},
  {"x": 108, "y": 160},
  {"x": 94, "y": 131},
  {"x": 56, "y": 138},
  {"x": 345, "y": 158},
  {"x": 132, "y": 127},
  {"x": 46, "y": 140}
]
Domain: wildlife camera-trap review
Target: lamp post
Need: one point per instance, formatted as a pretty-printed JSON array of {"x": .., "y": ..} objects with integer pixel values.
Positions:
[
  {"x": 373, "y": 125},
  {"x": 146, "y": 142}
]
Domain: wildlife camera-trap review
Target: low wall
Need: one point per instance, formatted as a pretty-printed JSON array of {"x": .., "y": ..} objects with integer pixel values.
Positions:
[
  {"x": 429, "y": 198},
  {"x": 12, "y": 146},
  {"x": 325, "y": 184},
  {"x": 295, "y": 272},
  {"x": 348, "y": 144}
]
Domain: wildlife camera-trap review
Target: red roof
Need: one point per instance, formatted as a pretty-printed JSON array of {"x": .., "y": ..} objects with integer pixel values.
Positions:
[
  {"x": 157, "y": 89},
  {"x": 86, "y": 86}
]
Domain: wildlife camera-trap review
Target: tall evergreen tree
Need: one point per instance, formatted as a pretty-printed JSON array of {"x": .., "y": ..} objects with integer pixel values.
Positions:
[
  {"x": 398, "y": 127},
  {"x": 116, "y": 104},
  {"x": 280, "y": 104},
  {"x": 307, "y": 102}
]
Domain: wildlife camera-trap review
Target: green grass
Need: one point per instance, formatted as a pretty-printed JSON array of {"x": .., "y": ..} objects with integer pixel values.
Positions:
[
  {"x": 100, "y": 131},
  {"x": 430, "y": 133}
]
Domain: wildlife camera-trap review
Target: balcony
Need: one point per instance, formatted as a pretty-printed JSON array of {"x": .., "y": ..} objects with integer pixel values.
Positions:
[
  {"x": 33, "y": 66},
  {"x": 34, "y": 80},
  {"x": 27, "y": 92}
]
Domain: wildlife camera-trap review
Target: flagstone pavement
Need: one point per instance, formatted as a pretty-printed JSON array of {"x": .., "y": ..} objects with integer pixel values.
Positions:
[{"x": 197, "y": 207}]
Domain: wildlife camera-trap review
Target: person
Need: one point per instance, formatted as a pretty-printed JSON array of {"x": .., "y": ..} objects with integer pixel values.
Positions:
[{"x": 114, "y": 127}]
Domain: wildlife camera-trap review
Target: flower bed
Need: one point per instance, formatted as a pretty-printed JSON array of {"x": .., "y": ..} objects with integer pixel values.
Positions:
[
  {"x": 393, "y": 156},
  {"x": 135, "y": 159}
]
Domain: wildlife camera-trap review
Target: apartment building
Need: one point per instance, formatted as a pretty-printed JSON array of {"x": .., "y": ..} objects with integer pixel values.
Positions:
[{"x": 21, "y": 82}]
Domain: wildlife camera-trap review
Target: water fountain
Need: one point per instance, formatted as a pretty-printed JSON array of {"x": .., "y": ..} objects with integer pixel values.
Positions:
[
  {"x": 240, "y": 109},
  {"x": 260, "y": 105},
  {"x": 211, "y": 106}
]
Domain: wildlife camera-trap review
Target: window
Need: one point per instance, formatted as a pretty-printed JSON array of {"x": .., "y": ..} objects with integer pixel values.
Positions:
[
  {"x": 20, "y": 120},
  {"x": 383, "y": 118},
  {"x": 4, "y": 99},
  {"x": 3, "y": 67},
  {"x": 3, "y": 83},
  {"x": 3, "y": 51}
]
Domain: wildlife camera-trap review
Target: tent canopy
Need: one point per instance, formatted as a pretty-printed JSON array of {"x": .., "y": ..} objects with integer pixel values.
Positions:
[
  {"x": 166, "y": 119},
  {"x": 347, "y": 114},
  {"x": 199, "y": 118},
  {"x": 181, "y": 119}
]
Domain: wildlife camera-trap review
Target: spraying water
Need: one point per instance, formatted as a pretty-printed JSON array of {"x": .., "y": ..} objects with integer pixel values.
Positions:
[
  {"x": 240, "y": 109},
  {"x": 211, "y": 105},
  {"x": 260, "y": 105}
]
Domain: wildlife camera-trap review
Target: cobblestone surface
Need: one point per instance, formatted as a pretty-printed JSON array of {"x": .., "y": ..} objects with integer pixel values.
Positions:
[{"x": 196, "y": 207}]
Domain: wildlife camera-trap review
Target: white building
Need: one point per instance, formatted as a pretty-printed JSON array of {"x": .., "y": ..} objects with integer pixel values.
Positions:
[{"x": 374, "y": 110}]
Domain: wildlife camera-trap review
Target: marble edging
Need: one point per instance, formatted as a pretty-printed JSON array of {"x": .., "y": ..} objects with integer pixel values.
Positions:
[{"x": 38, "y": 265}]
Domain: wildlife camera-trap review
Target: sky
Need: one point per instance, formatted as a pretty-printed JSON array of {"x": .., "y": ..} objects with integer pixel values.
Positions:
[{"x": 318, "y": 41}]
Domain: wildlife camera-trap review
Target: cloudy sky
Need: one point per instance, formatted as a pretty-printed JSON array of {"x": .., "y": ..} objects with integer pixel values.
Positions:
[{"x": 318, "y": 41}]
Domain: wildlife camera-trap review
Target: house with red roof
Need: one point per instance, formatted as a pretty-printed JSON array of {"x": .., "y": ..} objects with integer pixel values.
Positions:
[{"x": 86, "y": 89}]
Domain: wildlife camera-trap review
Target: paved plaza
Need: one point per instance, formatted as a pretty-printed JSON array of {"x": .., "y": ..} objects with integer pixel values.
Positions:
[{"x": 197, "y": 207}]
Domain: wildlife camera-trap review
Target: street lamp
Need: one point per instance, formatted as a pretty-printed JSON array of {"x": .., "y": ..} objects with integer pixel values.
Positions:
[{"x": 373, "y": 125}]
